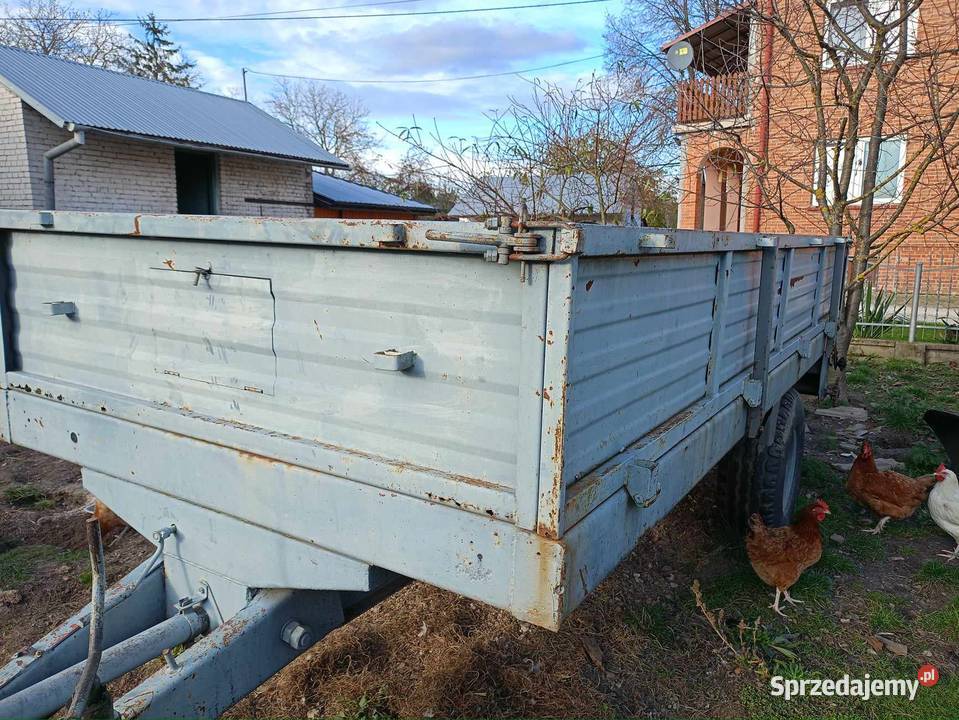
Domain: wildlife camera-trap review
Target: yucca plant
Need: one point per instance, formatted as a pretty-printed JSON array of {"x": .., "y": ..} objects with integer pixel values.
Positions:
[
  {"x": 875, "y": 311},
  {"x": 951, "y": 325}
]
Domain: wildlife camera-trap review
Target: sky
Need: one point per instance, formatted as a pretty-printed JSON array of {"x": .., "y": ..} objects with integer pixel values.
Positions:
[{"x": 381, "y": 48}]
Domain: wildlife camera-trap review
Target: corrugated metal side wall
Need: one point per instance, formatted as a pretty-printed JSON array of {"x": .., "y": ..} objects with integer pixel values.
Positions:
[
  {"x": 638, "y": 352},
  {"x": 641, "y": 335},
  {"x": 281, "y": 338}
]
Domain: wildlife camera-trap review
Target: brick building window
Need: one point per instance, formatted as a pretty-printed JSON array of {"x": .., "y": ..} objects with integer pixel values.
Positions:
[
  {"x": 889, "y": 175},
  {"x": 853, "y": 38}
]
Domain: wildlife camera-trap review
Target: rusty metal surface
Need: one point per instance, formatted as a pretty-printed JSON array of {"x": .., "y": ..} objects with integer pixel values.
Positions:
[
  {"x": 220, "y": 371},
  {"x": 283, "y": 341},
  {"x": 127, "y": 614}
]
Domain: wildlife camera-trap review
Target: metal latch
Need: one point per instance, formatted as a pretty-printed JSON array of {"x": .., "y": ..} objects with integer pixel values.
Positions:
[
  {"x": 394, "y": 360},
  {"x": 640, "y": 482},
  {"x": 61, "y": 307},
  {"x": 204, "y": 273},
  {"x": 196, "y": 600}
]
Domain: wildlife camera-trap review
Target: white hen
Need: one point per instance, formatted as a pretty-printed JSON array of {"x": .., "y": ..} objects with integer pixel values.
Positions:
[{"x": 944, "y": 506}]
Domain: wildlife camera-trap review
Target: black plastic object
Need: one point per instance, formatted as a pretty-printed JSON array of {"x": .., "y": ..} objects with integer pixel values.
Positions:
[{"x": 945, "y": 424}]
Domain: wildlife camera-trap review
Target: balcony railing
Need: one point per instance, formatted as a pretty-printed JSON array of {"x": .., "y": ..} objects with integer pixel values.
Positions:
[{"x": 712, "y": 97}]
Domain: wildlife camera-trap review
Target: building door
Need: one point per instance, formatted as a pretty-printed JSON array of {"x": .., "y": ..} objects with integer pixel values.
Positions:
[
  {"x": 196, "y": 187},
  {"x": 719, "y": 192}
]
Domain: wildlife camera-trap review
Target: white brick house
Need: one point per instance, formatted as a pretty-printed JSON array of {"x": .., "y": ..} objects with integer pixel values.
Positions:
[{"x": 146, "y": 146}]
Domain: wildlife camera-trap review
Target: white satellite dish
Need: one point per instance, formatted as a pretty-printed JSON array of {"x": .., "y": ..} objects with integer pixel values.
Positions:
[{"x": 680, "y": 55}]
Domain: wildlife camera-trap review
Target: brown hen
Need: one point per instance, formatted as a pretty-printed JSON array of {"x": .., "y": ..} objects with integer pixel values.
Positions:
[
  {"x": 780, "y": 555},
  {"x": 887, "y": 493},
  {"x": 109, "y": 520}
]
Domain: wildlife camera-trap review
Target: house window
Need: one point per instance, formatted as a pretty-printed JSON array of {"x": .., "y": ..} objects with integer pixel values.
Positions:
[
  {"x": 889, "y": 169},
  {"x": 852, "y": 37},
  {"x": 196, "y": 183}
]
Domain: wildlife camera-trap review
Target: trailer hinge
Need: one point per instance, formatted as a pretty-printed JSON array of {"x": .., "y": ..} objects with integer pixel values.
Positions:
[
  {"x": 753, "y": 393},
  {"x": 830, "y": 329},
  {"x": 640, "y": 482},
  {"x": 501, "y": 245}
]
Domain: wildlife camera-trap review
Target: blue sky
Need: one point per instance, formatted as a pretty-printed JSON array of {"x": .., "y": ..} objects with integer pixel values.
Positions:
[{"x": 402, "y": 47}]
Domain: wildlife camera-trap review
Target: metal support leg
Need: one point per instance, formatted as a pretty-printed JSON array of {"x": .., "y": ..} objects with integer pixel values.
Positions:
[
  {"x": 46, "y": 696},
  {"x": 234, "y": 659},
  {"x": 127, "y": 613}
]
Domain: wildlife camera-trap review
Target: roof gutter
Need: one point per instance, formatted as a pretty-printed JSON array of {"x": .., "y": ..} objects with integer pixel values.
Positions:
[{"x": 49, "y": 186}]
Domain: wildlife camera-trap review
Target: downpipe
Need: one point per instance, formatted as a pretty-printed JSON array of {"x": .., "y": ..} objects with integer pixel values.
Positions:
[
  {"x": 49, "y": 184},
  {"x": 48, "y": 695}
]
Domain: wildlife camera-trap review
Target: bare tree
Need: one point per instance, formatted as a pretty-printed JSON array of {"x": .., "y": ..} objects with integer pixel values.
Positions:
[
  {"x": 329, "y": 117},
  {"x": 57, "y": 28},
  {"x": 562, "y": 152},
  {"x": 412, "y": 179},
  {"x": 862, "y": 109}
]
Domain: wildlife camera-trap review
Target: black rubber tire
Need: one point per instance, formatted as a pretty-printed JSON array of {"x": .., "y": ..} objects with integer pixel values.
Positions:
[{"x": 766, "y": 479}]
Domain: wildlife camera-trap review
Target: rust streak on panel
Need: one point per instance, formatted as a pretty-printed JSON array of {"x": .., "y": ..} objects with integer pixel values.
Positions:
[{"x": 550, "y": 582}]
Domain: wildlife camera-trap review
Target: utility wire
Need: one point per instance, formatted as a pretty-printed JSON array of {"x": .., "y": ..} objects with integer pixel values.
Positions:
[
  {"x": 351, "y": 16},
  {"x": 418, "y": 81},
  {"x": 319, "y": 9}
]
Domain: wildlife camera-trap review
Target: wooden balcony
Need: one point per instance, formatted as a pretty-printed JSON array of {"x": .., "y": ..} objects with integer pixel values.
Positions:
[{"x": 712, "y": 97}]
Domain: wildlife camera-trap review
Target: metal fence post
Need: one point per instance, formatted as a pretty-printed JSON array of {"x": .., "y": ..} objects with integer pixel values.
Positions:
[{"x": 914, "y": 315}]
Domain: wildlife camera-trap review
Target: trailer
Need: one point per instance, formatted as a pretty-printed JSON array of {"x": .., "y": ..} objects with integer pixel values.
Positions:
[{"x": 305, "y": 414}]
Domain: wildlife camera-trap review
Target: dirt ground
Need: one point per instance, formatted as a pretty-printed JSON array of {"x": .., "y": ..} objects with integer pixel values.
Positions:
[{"x": 641, "y": 645}]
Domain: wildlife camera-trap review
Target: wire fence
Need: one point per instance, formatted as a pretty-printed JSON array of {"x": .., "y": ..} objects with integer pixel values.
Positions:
[{"x": 913, "y": 300}]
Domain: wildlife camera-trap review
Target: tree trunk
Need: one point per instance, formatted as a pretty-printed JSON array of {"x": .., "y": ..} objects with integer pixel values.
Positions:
[
  {"x": 844, "y": 335},
  {"x": 850, "y": 312}
]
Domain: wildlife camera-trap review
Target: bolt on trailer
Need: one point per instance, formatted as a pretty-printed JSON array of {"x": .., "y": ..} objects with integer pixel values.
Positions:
[{"x": 304, "y": 414}]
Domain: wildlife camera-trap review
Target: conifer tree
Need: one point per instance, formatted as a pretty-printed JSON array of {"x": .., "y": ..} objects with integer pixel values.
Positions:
[{"x": 157, "y": 57}]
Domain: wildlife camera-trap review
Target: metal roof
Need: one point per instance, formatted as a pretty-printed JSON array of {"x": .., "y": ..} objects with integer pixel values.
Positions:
[
  {"x": 721, "y": 45},
  {"x": 337, "y": 191},
  {"x": 89, "y": 97}
]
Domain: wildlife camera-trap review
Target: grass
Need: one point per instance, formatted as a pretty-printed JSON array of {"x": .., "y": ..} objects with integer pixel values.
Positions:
[
  {"x": 884, "y": 612},
  {"x": 938, "y": 572},
  {"x": 898, "y": 392},
  {"x": 363, "y": 708},
  {"x": 20, "y": 564},
  {"x": 651, "y": 621},
  {"x": 828, "y": 443},
  {"x": 901, "y": 332},
  {"x": 921, "y": 460},
  {"x": 944, "y": 622},
  {"x": 845, "y": 518},
  {"x": 27, "y": 496}
]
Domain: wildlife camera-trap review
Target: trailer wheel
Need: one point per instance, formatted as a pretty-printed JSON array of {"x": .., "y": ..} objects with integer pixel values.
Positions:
[{"x": 762, "y": 476}]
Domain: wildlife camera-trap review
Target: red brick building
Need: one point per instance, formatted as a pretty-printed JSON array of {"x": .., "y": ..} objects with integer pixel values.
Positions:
[{"x": 719, "y": 115}]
